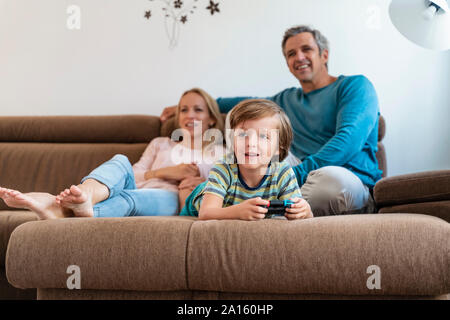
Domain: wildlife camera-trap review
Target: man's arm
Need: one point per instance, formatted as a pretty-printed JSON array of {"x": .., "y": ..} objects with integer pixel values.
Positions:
[
  {"x": 357, "y": 116},
  {"x": 226, "y": 104}
]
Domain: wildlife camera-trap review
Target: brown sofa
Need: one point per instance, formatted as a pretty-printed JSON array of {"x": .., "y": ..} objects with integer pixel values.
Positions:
[{"x": 183, "y": 258}]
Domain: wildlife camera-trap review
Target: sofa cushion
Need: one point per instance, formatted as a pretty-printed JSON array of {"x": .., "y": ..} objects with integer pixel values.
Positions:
[
  {"x": 381, "y": 158},
  {"x": 133, "y": 253},
  {"x": 167, "y": 127},
  {"x": 381, "y": 128},
  {"x": 413, "y": 188},
  {"x": 80, "y": 129},
  {"x": 49, "y": 153},
  {"x": 9, "y": 220},
  {"x": 52, "y": 167},
  {"x": 326, "y": 255},
  {"x": 8, "y": 292},
  {"x": 440, "y": 209}
]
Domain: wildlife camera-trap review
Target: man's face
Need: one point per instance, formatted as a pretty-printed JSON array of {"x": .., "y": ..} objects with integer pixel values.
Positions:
[{"x": 303, "y": 58}]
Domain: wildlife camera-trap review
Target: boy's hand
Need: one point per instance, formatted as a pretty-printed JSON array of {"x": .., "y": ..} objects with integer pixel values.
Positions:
[
  {"x": 250, "y": 209},
  {"x": 299, "y": 210}
]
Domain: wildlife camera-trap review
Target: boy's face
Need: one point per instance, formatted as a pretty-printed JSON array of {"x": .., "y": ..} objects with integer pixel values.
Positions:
[{"x": 256, "y": 142}]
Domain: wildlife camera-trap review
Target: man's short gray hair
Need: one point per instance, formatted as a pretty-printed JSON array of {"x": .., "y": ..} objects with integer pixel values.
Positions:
[{"x": 320, "y": 39}]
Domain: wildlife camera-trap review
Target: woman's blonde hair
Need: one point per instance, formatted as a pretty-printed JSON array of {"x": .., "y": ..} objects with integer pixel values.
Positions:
[
  {"x": 255, "y": 109},
  {"x": 212, "y": 105}
]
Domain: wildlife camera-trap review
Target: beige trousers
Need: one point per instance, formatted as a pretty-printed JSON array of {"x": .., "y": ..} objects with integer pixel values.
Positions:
[{"x": 334, "y": 190}]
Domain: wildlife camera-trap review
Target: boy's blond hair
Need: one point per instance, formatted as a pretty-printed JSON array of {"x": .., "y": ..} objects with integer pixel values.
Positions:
[{"x": 255, "y": 109}]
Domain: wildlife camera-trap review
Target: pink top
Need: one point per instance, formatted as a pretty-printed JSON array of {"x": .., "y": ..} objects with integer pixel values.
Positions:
[{"x": 163, "y": 152}]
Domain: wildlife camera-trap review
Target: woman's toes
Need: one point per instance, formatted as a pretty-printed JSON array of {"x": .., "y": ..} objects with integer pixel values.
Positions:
[
  {"x": 14, "y": 193},
  {"x": 63, "y": 194},
  {"x": 74, "y": 190}
]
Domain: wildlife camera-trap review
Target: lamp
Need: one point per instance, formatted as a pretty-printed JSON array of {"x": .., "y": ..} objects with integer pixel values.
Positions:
[{"x": 424, "y": 22}]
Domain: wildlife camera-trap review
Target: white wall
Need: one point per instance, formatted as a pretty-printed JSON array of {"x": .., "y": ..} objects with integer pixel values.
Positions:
[{"x": 119, "y": 62}]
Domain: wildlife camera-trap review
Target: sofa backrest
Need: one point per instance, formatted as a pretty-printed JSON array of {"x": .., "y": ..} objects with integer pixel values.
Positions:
[{"x": 50, "y": 153}]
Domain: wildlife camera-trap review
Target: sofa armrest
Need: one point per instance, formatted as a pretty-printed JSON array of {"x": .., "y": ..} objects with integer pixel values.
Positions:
[
  {"x": 132, "y": 253},
  {"x": 413, "y": 188}
]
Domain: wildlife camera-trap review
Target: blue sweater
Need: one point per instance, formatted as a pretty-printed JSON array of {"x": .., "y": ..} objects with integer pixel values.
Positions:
[{"x": 336, "y": 125}]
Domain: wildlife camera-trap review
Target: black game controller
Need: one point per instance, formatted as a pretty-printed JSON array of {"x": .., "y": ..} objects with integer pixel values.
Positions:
[{"x": 277, "y": 208}]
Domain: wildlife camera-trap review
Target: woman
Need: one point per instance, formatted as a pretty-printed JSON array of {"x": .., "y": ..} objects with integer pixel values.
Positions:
[{"x": 157, "y": 184}]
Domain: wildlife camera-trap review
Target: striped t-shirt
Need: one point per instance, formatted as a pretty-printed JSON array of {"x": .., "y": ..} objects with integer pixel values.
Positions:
[{"x": 225, "y": 181}]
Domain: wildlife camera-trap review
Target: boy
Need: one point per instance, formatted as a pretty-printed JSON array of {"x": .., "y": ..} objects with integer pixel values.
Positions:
[{"x": 239, "y": 190}]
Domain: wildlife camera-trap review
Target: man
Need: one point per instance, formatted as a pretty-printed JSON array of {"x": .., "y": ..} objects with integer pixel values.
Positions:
[{"x": 335, "y": 124}]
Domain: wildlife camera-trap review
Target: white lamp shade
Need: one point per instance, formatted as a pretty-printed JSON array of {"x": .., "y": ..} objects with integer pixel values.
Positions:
[{"x": 407, "y": 17}]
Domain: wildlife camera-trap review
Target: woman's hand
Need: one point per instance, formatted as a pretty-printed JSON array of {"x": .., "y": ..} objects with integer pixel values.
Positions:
[
  {"x": 178, "y": 172},
  {"x": 190, "y": 183},
  {"x": 299, "y": 210},
  {"x": 185, "y": 170},
  {"x": 250, "y": 209}
]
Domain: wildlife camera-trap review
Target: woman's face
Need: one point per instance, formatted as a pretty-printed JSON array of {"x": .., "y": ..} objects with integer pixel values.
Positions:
[{"x": 194, "y": 114}]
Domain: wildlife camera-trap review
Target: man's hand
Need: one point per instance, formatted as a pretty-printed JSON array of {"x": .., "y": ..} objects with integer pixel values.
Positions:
[
  {"x": 299, "y": 210},
  {"x": 190, "y": 183},
  {"x": 250, "y": 209},
  {"x": 167, "y": 113}
]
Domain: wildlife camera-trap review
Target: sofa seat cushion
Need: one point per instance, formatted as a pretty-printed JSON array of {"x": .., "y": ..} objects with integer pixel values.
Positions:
[
  {"x": 413, "y": 188},
  {"x": 9, "y": 220},
  {"x": 326, "y": 255},
  {"x": 132, "y": 253}
]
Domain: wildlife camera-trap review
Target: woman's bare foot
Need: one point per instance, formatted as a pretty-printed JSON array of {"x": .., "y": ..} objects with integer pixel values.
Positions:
[
  {"x": 78, "y": 200},
  {"x": 43, "y": 204}
]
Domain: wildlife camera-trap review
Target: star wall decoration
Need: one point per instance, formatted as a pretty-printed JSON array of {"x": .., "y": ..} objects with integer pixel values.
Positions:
[
  {"x": 178, "y": 4},
  {"x": 213, "y": 7},
  {"x": 177, "y": 12}
]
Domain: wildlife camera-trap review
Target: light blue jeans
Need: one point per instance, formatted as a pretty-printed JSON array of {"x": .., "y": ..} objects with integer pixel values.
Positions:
[{"x": 124, "y": 198}]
